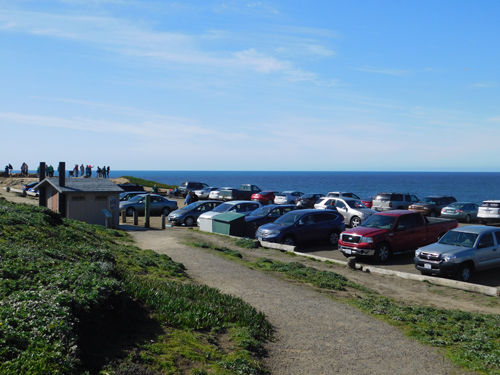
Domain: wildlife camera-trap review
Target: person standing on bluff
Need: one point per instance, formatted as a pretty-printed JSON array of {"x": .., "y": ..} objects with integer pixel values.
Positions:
[
  {"x": 107, "y": 172},
  {"x": 75, "y": 170},
  {"x": 24, "y": 169},
  {"x": 50, "y": 171},
  {"x": 82, "y": 170}
]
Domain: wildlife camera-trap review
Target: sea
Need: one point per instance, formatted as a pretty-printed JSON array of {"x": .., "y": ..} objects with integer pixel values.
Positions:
[{"x": 464, "y": 186}]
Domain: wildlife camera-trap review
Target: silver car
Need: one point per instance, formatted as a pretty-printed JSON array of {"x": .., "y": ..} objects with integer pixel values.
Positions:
[
  {"x": 287, "y": 197},
  {"x": 353, "y": 210},
  {"x": 461, "y": 211},
  {"x": 203, "y": 193},
  {"x": 159, "y": 205},
  {"x": 393, "y": 201}
]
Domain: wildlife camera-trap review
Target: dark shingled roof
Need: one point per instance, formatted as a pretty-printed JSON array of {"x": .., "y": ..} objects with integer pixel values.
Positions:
[{"x": 82, "y": 185}]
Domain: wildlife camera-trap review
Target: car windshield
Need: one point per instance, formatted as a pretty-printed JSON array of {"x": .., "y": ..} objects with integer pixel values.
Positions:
[
  {"x": 355, "y": 204},
  {"x": 191, "y": 206},
  {"x": 380, "y": 221},
  {"x": 137, "y": 198},
  {"x": 457, "y": 238},
  {"x": 457, "y": 205},
  {"x": 223, "y": 207},
  {"x": 263, "y": 211},
  {"x": 429, "y": 200},
  {"x": 288, "y": 218}
]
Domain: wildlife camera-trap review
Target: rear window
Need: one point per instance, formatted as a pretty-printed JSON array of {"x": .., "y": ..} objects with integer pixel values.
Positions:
[
  {"x": 383, "y": 197},
  {"x": 491, "y": 204}
]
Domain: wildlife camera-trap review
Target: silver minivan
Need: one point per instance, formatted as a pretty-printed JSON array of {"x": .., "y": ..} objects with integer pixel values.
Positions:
[
  {"x": 489, "y": 212},
  {"x": 393, "y": 201}
]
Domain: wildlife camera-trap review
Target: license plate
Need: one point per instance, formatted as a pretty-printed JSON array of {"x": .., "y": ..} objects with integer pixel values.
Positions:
[
  {"x": 347, "y": 251},
  {"x": 427, "y": 266}
]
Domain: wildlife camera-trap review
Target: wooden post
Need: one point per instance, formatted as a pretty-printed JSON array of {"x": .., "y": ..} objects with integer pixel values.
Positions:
[
  {"x": 124, "y": 216},
  {"x": 163, "y": 219},
  {"x": 136, "y": 218},
  {"x": 147, "y": 209},
  {"x": 42, "y": 196}
]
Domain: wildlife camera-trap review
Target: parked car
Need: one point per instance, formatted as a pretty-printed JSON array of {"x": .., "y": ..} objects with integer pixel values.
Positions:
[
  {"x": 190, "y": 185},
  {"x": 308, "y": 200},
  {"x": 159, "y": 205},
  {"x": 432, "y": 205},
  {"x": 188, "y": 215},
  {"x": 303, "y": 226},
  {"x": 264, "y": 197},
  {"x": 368, "y": 202},
  {"x": 29, "y": 187},
  {"x": 489, "y": 212},
  {"x": 214, "y": 194},
  {"x": 243, "y": 193},
  {"x": 203, "y": 193},
  {"x": 126, "y": 195},
  {"x": 242, "y": 207},
  {"x": 393, "y": 201},
  {"x": 288, "y": 197},
  {"x": 341, "y": 194},
  {"x": 460, "y": 252},
  {"x": 264, "y": 215},
  {"x": 461, "y": 211},
  {"x": 385, "y": 233},
  {"x": 325, "y": 203},
  {"x": 353, "y": 211}
]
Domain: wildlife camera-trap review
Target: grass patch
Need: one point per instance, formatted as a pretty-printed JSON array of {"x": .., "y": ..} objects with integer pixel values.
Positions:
[
  {"x": 247, "y": 243},
  {"x": 77, "y": 298},
  {"x": 222, "y": 249},
  {"x": 148, "y": 183}
]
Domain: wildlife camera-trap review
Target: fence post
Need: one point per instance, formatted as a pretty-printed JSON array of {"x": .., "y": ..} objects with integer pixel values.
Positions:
[
  {"x": 136, "y": 218},
  {"x": 124, "y": 216},
  {"x": 163, "y": 219},
  {"x": 147, "y": 208}
]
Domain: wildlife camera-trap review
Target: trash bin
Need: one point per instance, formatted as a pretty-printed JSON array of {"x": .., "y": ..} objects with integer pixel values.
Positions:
[
  {"x": 206, "y": 224},
  {"x": 230, "y": 223}
]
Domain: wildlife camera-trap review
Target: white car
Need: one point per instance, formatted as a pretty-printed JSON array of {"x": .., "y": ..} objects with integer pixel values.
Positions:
[
  {"x": 287, "y": 197},
  {"x": 342, "y": 194},
  {"x": 241, "y": 207},
  {"x": 203, "y": 193},
  {"x": 353, "y": 210},
  {"x": 489, "y": 212},
  {"x": 214, "y": 194}
]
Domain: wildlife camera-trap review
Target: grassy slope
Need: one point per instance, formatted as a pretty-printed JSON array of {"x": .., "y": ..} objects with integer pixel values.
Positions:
[
  {"x": 148, "y": 183},
  {"x": 76, "y": 297}
]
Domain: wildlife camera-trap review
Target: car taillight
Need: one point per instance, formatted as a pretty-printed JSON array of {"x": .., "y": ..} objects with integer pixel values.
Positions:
[
  {"x": 442, "y": 210},
  {"x": 460, "y": 211}
]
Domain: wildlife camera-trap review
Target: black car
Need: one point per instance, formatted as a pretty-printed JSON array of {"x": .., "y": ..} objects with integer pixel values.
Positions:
[
  {"x": 189, "y": 214},
  {"x": 302, "y": 227},
  {"x": 308, "y": 200},
  {"x": 264, "y": 215}
]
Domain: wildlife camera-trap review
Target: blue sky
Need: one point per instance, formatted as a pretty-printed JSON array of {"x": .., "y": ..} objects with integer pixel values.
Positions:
[{"x": 251, "y": 85}]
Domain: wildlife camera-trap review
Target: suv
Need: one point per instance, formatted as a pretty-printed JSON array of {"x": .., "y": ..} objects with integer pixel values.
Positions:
[
  {"x": 393, "y": 201},
  {"x": 308, "y": 200},
  {"x": 188, "y": 185},
  {"x": 432, "y": 205},
  {"x": 489, "y": 212},
  {"x": 303, "y": 226},
  {"x": 287, "y": 197}
]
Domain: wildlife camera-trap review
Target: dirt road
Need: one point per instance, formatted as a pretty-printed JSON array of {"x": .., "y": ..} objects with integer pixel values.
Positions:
[{"x": 315, "y": 334}]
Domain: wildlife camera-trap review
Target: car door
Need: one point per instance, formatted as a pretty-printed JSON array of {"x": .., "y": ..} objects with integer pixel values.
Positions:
[
  {"x": 408, "y": 233},
  {"x": 487, "y": 250},
  {"x": 305, "y": 229},
  {"x": 343, "y": 210},
  {"x": 323, "y": 225}
]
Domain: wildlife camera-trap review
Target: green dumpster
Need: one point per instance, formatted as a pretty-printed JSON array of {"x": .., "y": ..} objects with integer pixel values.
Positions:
[{"x": 231, "y": 223}]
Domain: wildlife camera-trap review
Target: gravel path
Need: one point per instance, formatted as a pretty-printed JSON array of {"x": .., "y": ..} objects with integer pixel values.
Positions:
[{"x": 315, "y": 335}]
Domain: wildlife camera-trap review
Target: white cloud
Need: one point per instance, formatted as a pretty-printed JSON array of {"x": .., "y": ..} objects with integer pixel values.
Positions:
[{"x": 384, "y": 71}]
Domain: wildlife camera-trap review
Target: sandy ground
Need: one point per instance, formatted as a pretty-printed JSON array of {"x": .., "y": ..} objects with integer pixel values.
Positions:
[{"x": 315, "y": 334}]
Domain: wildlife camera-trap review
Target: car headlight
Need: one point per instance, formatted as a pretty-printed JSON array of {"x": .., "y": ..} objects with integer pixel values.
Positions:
[
  {"x": 417, "y": 252},
  {"x": 366, "y": 239},
  {"x": 450, "y": 258}
]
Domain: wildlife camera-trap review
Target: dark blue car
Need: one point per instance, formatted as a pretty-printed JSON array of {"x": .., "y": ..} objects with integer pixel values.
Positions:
[
  {"x": 188, "y": 215},
  {"x": 264, "y": 215},
  {"x": 302, "y": 227}
]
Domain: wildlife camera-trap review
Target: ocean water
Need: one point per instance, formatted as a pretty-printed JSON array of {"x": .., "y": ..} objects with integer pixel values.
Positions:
[{"x": 464, "y": 186}]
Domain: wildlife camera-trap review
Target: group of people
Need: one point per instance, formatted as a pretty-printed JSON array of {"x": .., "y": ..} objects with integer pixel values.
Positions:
[
  {"x": 8, "y": 170},
  {"x": 86, "y": 171}
]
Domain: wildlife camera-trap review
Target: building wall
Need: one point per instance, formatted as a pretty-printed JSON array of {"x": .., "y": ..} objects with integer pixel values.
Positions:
[
  {"x": 52, "y": 198},
  {"x": 89, "y": 207}
]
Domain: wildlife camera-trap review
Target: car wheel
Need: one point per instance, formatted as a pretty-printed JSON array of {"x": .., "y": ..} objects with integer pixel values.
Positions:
[
  {"x": 468, "y": 219},
  {"x": 355, "y": 221},
  {"x": 130, "y": 211},
  {"x": 289, "y": 241},
  {"x": 383, "y": 253},
  {"x": 465, "y": 272},
  {"x": 189, "y": 221},
  {"x": 334, "y": 238}
]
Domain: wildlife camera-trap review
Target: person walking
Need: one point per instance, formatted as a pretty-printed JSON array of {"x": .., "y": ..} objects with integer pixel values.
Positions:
[{"x": 188, "y": 199}]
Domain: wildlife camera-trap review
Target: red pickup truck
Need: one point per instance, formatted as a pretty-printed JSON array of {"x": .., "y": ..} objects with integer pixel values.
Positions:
[{"x": 388, "y": 232}]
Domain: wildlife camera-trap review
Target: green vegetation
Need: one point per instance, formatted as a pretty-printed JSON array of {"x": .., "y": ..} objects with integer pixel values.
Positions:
[
  {"x": 471, "y": 340},
  {"x": 246, "y": 243},
  {"x": 208, "y": 245},
  {"x": 148, "y": 183},
  {"x": 78, "y": 298}
]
